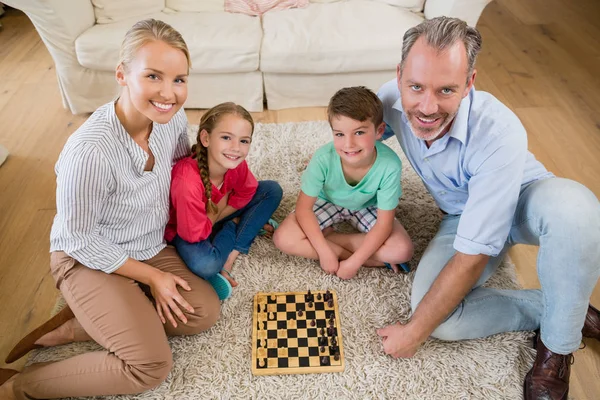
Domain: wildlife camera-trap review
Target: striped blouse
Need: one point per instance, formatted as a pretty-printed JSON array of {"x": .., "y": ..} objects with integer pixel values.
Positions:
[{"x": 108, "y": 207}]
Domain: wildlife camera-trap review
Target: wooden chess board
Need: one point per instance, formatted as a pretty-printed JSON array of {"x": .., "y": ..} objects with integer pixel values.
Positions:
[{"x": 296, "y": 333}]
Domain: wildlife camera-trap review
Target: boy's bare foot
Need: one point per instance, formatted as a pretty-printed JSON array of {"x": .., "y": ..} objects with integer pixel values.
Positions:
[
  {"x": 6, "y": 390},
  {"x": 70, "y": 331}
]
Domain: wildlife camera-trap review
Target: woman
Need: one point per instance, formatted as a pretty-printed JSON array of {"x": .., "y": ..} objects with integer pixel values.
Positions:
[{"x": 109, "y": 258}]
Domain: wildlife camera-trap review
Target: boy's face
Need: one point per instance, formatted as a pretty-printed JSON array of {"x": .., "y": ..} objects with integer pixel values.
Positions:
[{"x": 354, "y": 141}]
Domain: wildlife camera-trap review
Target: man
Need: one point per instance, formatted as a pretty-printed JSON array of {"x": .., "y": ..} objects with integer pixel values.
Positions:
[{"x": 471, "y": 153}]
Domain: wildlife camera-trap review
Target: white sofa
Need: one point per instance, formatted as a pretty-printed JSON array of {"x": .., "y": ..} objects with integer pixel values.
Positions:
[{"x": 290, "y": 58}]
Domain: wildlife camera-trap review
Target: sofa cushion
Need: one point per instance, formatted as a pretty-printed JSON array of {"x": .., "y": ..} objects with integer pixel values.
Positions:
[
  {"x": 218, "y": 41},
  {"x": 350, "y": 36},
  {"x": 195, "y": 5},
  {"x": 259, "y": 7},
  {"x": 108, "y": 11}
]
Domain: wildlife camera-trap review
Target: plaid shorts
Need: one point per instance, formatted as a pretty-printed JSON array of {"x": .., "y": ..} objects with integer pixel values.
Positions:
[{"x": 328, "y": 214}]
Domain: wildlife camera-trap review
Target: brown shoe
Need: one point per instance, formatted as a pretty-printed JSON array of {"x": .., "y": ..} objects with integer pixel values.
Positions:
[
  {"x": 28, "y": 342},
  {"x": 6, "y": 374},
  {"x": 591, "y": 328},
  {"x": 549, "y": 377}
]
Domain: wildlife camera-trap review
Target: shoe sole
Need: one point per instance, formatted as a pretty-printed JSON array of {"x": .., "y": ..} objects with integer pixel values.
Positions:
[{"x": 221, "y": 285}]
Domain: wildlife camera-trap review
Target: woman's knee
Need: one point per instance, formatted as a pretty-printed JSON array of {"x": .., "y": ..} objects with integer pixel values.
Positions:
[{"x": 207, "y": 309}]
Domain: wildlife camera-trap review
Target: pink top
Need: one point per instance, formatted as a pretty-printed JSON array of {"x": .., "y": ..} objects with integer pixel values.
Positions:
[{"x": 187, "y": 214}]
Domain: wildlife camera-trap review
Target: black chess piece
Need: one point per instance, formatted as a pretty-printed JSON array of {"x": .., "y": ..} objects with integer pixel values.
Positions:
[
  {"x": 310, "y": 304},
  {"x": 325, "y": 360},
  {"x": 322, "y": 331},
  {"x": 300, "y": 313},
  {"x": 318, "y": 296},
  {"x": 331, "y": 331},
  {"x": 322, "y": 349},
  {"x": 323, "y": 341},
  {"x": 333, "y": 341},
  {"x": 336, "y": 357},
  {"x": 330, "y": 302},
  {"x": 313, "y": 322}
]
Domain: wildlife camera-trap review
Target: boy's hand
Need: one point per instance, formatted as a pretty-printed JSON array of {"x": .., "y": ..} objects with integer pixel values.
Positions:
[
  {"x": 348, "y": 269},
  {"x": 329, "y": 262}
]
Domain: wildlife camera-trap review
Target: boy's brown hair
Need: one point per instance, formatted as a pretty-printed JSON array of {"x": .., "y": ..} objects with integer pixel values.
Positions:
[{"x": 358, "y": 103}]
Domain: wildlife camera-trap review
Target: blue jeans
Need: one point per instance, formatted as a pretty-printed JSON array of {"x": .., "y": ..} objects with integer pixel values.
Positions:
[
  {"x": 206, "y": 258},
  {"x": 560, "y": 216}
]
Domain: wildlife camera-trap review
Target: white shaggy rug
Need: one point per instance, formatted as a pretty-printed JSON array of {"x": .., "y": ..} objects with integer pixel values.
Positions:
[{"x": 216, "y": 364}]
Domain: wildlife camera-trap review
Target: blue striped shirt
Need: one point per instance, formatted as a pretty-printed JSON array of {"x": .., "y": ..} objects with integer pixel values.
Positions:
[
  {"x": 108, "y": 207},
  {"x": 475, "y": 170}
]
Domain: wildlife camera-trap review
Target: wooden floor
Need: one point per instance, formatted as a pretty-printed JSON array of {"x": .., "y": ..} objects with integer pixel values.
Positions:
[{"x": 540, "y": 57}]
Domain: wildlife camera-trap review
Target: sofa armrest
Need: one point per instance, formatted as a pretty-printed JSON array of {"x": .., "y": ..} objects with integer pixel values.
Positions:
[
  {"x": 59, "y": 23},
  {"x": 467, "y": 10}
]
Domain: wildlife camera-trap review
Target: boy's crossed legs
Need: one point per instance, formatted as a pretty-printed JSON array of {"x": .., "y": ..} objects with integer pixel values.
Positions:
[{"x": 291, "y": 239}]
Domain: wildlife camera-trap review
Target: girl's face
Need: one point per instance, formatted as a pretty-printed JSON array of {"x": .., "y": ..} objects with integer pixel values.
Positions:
[
  {"x": 229, "y": 142},
  {"x": 156, "y": 80}
]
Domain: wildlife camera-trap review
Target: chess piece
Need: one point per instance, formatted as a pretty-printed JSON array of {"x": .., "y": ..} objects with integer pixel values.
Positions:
[
  {"x": 322, "y": 349},
  {"x": 310, "y": 304},
  {"x": 313, "y": 322},
  {"x": 336, "y": 357},
  {"x": 300, "y": 313},
  {"x": 325, "y": 360},
  {"x": 322, "y": 331},
  {"x": 318, "y": 296},
  {"x": 330, "y": 303},
  {"x": 323, "y": 341},
  {"x": 333, "y": 341}
]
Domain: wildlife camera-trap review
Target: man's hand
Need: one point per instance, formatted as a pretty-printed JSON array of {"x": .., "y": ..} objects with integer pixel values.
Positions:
[
  {"x": 164, "y": 290},
  {"x": 400, "y": 341},
  {"x": 348, "y": 269}
]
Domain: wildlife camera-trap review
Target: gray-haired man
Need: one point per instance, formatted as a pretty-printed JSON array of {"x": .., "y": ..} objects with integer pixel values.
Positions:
[{"x": 471, "y": 153}]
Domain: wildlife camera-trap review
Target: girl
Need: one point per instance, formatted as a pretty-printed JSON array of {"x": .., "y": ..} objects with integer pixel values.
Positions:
[
  {"x": 109, "y": 257},
  {"x": 217, "y": 206}
]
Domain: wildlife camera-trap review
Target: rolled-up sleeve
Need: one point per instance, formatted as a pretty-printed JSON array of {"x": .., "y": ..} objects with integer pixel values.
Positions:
[
  {"x": 493, "y": 194},
  {"x": 83, "y": 184}
]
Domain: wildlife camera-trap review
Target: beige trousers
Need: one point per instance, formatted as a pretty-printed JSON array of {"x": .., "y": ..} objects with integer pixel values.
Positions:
[{"x": 120, "y": 316}]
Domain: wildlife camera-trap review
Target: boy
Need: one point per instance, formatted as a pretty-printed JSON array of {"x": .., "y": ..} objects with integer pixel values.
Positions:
[{"x": 354, "y": 178}]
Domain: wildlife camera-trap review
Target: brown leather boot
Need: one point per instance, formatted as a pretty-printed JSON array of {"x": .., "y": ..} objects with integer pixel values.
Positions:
[
  {"x": 549, "y": 377},
  {"x": 591, "y": 328}
]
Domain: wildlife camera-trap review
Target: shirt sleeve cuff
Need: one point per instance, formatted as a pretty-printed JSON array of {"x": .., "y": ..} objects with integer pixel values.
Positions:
[
  {"x": 116, "y": 265},
  {"x": 470, "y": 247}
]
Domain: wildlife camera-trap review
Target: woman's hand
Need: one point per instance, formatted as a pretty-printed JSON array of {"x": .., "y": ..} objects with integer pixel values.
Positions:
[{"x": 164, "y": 290}]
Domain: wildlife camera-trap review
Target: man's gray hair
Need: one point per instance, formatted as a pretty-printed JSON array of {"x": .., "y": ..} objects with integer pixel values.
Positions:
[{"x": 441, "y": 33}]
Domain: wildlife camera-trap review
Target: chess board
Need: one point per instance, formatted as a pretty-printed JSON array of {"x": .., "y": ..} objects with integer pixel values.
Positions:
[{"x": 293, "y": 333}]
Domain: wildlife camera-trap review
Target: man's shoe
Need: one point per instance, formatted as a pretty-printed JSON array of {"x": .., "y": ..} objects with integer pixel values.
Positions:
[
  {"x": 28, "y": 342},
  {"x": 591, "y": 328},
  {"x": 549, "y": 377}
]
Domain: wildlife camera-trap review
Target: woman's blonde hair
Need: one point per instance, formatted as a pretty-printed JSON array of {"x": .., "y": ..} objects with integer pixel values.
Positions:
[
  {"x": 208, "y": 122},
  {"x": 150, "y": 30}
]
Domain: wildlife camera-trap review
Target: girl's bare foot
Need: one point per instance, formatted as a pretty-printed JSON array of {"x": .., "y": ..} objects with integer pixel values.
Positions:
[
  {"x": 70, "y": 331},
  {"x": 226, "y": 272},
  {"x": 6, "y": 390},
  {"x": 269, "y": 229}
]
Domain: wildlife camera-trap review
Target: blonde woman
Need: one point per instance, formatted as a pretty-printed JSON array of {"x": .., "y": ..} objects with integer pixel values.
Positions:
[{"x": 124, "y": 287}]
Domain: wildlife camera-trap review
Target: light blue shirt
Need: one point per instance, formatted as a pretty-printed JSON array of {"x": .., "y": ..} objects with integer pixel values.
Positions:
[{"x": 475, "y": 170}]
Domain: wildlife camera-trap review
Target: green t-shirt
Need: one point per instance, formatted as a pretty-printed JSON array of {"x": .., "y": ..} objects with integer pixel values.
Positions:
[{"x": 381, "y": 187}]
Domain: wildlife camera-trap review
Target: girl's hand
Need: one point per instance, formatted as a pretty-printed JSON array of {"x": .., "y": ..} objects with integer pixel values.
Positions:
[{"x": 164, "y": 290}]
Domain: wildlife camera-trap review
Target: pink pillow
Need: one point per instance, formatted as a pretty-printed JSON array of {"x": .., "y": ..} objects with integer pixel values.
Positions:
[{"x": 259, "y": 7}]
